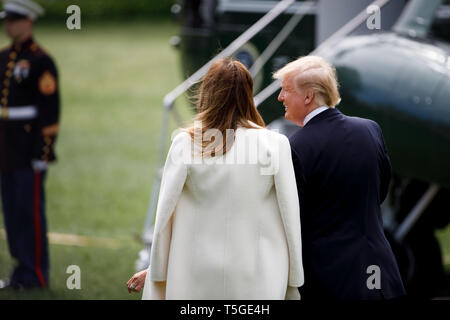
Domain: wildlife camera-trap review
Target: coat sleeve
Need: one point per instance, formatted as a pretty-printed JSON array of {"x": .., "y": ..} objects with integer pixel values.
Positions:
[
  {"x": 173, "y": 179},
  {"x": 153, "y": 290},
  {"x": 286, "y": 190},
  {"x": 48, "y": 102}
]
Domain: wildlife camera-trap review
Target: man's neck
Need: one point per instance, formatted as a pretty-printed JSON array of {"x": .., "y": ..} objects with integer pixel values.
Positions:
[
  {"x": 310, "y": 109},
  {"x": 22, "y": 38}
]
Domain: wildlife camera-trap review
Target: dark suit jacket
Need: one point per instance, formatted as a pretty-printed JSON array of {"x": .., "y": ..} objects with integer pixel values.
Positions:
[{"x": 343, "y": 172}]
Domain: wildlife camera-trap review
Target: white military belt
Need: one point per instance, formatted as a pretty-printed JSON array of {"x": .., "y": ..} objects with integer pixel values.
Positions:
[{"x": 19, "y": 112}]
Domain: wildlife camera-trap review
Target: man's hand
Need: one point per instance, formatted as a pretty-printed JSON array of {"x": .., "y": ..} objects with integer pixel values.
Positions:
[{"x": 136, "y": 283}]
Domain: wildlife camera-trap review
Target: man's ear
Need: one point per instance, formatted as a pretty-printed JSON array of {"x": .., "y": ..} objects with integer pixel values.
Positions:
[{"x": 309, "y": 96}]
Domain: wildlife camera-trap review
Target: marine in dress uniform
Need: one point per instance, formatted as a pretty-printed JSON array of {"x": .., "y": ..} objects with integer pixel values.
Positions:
[{"x": 29, "y": 114}]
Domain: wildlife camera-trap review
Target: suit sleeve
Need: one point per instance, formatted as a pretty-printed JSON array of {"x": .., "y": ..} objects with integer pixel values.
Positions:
[
  {"x": 385, "y": 167},
  {"x": 299, "y": 177},
  {"x": 48, "y": 104},
  {"x": 172, "y": 183},
  {"x": 288, "y": 203}
]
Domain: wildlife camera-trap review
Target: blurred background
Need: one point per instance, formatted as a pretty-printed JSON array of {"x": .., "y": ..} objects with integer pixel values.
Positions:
[{"x": 116, "y": 71}]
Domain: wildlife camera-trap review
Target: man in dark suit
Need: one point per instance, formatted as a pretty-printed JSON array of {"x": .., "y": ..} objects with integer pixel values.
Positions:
[{"x": 343, "y": 173}]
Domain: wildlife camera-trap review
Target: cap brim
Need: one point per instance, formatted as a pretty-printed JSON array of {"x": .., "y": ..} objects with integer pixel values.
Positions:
[{"x": 14, "y": 15}]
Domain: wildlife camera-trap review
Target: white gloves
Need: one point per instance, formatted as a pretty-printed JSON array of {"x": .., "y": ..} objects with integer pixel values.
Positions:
[{"x": 39, "y": 165}]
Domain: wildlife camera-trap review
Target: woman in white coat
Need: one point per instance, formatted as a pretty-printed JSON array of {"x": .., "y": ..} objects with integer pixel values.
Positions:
[{"x": 228, "y": 218}]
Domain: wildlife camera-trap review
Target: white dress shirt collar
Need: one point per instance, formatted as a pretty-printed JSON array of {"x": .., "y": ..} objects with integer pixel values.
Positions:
[{"x": 314, "y": 113}]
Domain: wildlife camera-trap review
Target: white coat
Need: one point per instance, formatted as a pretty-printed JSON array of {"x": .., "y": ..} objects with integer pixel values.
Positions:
[{"x": 229, "y": 228}]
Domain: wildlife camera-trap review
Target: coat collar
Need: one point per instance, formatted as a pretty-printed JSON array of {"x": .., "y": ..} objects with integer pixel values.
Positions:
[
  {"x": 19, "y": 47},
  {"x": 323, "y": 115}
]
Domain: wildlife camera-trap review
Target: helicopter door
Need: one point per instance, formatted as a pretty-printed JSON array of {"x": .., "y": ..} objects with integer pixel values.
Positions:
[
  {"x": 440, "y": 28},
  {"x": 198, "y": 14}
]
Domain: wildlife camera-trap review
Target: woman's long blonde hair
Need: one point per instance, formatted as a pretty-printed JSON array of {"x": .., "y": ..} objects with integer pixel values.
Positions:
[{"x": 225, "y": 101}]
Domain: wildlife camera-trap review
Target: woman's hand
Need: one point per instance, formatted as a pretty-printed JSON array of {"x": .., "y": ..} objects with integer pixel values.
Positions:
[{"x": 136, "y": 283}]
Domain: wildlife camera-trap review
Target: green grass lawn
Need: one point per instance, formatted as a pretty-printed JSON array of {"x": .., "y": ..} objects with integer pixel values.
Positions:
[{"x": 112, "y": 79}]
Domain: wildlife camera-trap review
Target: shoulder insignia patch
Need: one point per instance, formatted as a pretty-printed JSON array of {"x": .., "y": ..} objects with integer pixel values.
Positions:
[{"x": 47, "y": 84}]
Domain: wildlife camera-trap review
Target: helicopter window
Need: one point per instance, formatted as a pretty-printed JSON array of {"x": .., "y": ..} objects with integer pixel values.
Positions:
[
  {"x": 198, "y": 13},
  {"x": 440, "y": 28}
]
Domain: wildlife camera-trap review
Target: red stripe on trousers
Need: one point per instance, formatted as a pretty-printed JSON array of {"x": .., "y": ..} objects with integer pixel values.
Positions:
[{"x": 37, "y": 227}]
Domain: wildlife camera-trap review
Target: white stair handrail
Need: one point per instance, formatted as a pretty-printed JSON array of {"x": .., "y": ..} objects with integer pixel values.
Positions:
[
  {"x": 338, "y": 35},
  {"x": 280, "y": 37},
  {"x": 170, "y": 98}
]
